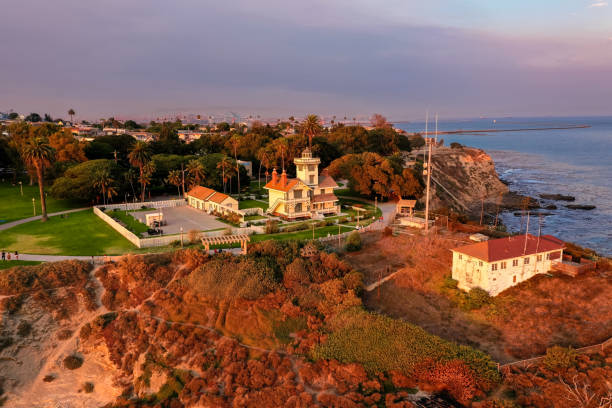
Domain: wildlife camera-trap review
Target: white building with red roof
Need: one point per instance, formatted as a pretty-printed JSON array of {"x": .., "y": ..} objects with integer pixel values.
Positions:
[
  {"x": 308, "y": 195},
  {"x": 498, "y": 264},
  {"x": 209, "y": 200}
]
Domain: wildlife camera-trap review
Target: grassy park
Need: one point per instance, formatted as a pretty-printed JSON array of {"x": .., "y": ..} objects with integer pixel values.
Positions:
[
  {"x": 244, "y": 204},
  {"x": 79, "y": 233},
  {"x": 14, "y": 206}
]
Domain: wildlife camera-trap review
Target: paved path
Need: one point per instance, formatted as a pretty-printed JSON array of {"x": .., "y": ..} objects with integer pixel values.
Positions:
[
  {"x": 38, "y": 217},
  {"x": 388, "y": 208}
]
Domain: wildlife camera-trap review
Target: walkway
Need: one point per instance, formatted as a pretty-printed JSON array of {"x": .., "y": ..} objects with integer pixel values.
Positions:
[
  {"x": 38, "y": 217},
  {"x": 387, "y": 208}
]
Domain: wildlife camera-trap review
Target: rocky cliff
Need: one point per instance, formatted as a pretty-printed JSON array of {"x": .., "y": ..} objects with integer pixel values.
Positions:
[{"x": 463, "y": 178}]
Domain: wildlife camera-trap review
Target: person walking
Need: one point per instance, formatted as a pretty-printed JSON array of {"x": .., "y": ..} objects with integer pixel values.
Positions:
[
  {"x": 16, "y": 255},
  {"x": 3, "y": 255}
]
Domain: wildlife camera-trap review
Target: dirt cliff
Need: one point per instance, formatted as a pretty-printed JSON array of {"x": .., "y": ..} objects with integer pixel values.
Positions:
[{"x": 463, "y": 178}]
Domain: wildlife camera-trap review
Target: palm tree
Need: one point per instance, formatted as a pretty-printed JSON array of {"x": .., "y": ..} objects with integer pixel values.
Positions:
[
  {"x": 225, "y": 164},
  {"x": 104, "y": 181},
  {"x": 264, "y": 160},
  {"x": 311, "y": 127},
  {"x": 235, "y": 141},
  {"x": 38, "y": 153},
  {"x": 175, "y": 178},
  {"x": 196, "y": 171},
  {"x": 145, "y": 178},
  {"x": 71, "y": 112},
  {"x": 139, "y": 156}
]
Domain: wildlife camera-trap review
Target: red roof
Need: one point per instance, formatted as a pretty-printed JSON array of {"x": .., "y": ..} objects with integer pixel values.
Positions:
[
  {"x": 326, "y": 181},
  {"x": 218, "y": 197},
  {"x": 321, "y": 198},
  {"x": 279, "y": 186},
  {"x": 511, "y": 247},
  {"x": 201, "y": 193}
]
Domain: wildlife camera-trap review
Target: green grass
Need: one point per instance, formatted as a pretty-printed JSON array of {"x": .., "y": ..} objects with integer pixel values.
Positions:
[
  {"x": 81, "y": 233},
  {"x": 299, "y": 235},
  {"x": 254, "y": 217},
  {"x": 252, "y": 204},
  {"x": 14, "y": 206},
  {"x": 132, "y": 223},
  {"x": 10, "y": 264},
  {"x": 254, "y": 189}
]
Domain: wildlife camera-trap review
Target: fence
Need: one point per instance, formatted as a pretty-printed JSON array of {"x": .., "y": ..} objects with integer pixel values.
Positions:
[
  {"x": 149, "y": 204},
  {"x": 130, "y": 236},
  {"x": 583, "y": 350}
]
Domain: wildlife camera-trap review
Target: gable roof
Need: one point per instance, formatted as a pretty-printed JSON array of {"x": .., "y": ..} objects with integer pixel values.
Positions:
[
  {"x": 511, "y": 247},
  {"x": 406, "y": 203},
  {"x": 201, "y": 193},
  {"x": 218, "y": 197},
  {"x": 326, "y": 181},
  {"x": 279, "y": 186}
]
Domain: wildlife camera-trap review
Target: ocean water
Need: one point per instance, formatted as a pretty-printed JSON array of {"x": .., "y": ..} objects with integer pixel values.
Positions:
[{"x": 575, "y": 162}]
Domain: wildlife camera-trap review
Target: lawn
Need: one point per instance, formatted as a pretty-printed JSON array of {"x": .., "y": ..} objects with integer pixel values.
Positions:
[
  {"x": 10, "y": 264},
  {"x": 244, "y": 204},
  {"x": 254, "y": 187},
  {"x": 130, "y": 222},
  {"x": 306, "y": 234},
  {"x": 14, "y": 206},
  {"x": 80, "y": 233}
]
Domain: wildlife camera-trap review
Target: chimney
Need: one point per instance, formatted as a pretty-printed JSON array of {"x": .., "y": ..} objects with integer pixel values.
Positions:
[
  {"x": 274, "y": 176},
  {"x": 283, "y": 178}
]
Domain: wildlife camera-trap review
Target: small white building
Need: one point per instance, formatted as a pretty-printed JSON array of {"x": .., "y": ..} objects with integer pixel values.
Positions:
[
  {"x": 498, "y": 264},
  {"x": 209, "y": 200}
]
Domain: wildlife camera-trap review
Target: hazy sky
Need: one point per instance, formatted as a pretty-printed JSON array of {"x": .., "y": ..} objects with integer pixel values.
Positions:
[{"x": 462, "y": 58}]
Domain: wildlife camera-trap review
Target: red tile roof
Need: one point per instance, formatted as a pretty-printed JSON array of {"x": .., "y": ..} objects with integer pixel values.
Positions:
[
  {"x": 321, "y": 198},
  {"x": 201, "y": 193},
  {"x": 279, "y": 186},
  {"x": 326, "y": 181},
  {"x": 218, "y": 197},
  {"x": 511, "y": 247}
]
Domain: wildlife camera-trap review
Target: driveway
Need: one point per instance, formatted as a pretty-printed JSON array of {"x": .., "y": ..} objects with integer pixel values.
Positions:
[{"x": 187, "y": 217}]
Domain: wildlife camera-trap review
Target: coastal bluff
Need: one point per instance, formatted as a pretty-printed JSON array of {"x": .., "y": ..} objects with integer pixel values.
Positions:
[{"x": 462, "y": 177}]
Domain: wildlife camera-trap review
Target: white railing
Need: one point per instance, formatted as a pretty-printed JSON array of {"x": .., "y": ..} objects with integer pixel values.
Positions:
[{"x": 127, "y": 234}]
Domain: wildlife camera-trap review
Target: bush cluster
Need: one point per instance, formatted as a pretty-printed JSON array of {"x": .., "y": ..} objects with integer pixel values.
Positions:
[
  {"x": 353, "y": 242},
  {"x": 72, "y": 362}
]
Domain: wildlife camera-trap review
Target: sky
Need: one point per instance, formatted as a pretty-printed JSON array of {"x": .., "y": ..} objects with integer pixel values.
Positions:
[{"x": 460, "y": 58}]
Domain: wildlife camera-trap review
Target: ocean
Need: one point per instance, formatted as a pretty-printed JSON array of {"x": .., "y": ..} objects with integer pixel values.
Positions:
[{"x": 576, "y": 162}]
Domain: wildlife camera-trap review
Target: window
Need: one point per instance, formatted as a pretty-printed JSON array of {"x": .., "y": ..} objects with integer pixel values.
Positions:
[
  {"x": 479, "y": 263},
  {"x": 515, "y": 262},
  {"x": 311, "y": 179},
  {"x": 297, "y": 194},
  {"x": 311, "y": 167},
  {"x": 460, "y": 256},
  {"x": 539, "y": 258},
  {"x": 494, "y": 267},
  {"x": 514, "y": 279},
  {"x": 526, "y": 261},
  {"x": 502, "y": 265}
]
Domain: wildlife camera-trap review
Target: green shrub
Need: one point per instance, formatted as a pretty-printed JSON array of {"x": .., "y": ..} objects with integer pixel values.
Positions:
[
  {"x": 476, "y": 298},
  {"x": 48, "y": 378},
  {"x": 449, "y": 282},
  {"x": 284, "y": 328},
  {"x": 558, "y": 357},
  {"x": 353, "y": 242},
  {"x": 272, "y": 227},
  {"x": 72, "y": 362}
]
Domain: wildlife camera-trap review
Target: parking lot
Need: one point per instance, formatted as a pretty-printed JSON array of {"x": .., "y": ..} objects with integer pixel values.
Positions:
[{"x": 186, "y": 217}]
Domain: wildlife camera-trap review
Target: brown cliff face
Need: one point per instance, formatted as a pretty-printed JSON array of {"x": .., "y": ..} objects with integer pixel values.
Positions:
[{"x": 463, "y": 177}]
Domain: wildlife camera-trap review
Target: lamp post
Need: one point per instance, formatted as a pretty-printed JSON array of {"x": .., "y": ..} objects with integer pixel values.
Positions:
[
  {"x": 34, "y": 205},
  {"x": 21, "y": 188},
  {"x": 181, "y": 236}
]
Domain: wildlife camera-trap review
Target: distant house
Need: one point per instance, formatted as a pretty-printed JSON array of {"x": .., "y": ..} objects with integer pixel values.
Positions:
[
  {"x": 142, "y": 136},
  {"x": 498, "y": 264},
  {"x": 189, "y": 136},
  {"x": 211, "y": 201}
]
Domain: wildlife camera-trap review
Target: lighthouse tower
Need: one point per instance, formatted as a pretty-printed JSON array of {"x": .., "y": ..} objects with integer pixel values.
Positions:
[{"x": 307, "y": 168}]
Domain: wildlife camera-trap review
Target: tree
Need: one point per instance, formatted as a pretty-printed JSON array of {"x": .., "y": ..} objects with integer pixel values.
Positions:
[
  {"x": 33, "y": 117},
  {"x": 13, "y": 115},
  {"x": 48, "y": 118},
  {"x": 225, "y": 165},
  {"x": 79, "y": 181},
  {"x": 38, "y": 153},
  {"x": 311, "y": 128},
  {"x": 145, "y": 177},
  {"x": 139, "y": 156},
  {"x": 235, "y": 141},
  {"x": 71, "y": 113},
  {"x": 379, "y": 121},
  {"x": 103, "y": 181},
  {"x": 175, "y": 178},
  {"x": 67, "y": 148},
  {"x": 196, "y": 172}
]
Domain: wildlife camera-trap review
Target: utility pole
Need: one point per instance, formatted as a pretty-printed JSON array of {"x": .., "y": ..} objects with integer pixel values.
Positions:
[
  {"x": 481, "y": 208},
  {"x": 183, "y": 178},
  {"x": 34, "y": 205},
  {"x": 427, "y": 171}
]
